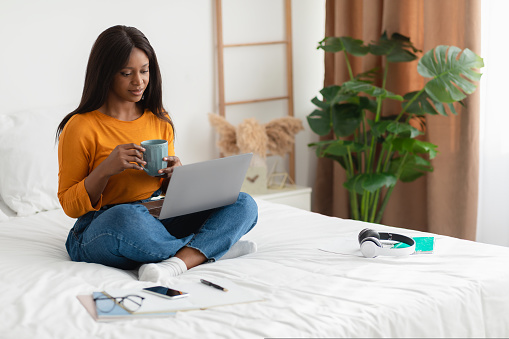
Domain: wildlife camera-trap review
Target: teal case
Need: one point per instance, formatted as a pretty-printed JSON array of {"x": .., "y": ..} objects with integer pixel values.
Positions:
[{"x": 422, "y": 244}]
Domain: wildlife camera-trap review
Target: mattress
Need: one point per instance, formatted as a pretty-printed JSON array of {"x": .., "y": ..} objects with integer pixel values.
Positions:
[{"x": 458, "y": 291}]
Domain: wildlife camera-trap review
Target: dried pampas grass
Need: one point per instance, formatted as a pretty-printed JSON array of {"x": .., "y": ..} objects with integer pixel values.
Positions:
[
  {"x": 276, "y": 137},
  {"x": 227, "y": 135},
  {"x": 281, "y": 134}
]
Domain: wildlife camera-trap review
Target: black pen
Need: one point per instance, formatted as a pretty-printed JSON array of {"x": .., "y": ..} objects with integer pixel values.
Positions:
[{"x": 208, "y": 283}]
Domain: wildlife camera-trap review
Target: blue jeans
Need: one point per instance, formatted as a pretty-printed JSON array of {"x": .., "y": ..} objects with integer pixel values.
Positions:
[{"x": 126, "y": 235}]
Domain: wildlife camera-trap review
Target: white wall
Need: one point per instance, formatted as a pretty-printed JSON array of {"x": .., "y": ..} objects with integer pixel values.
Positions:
[
  {"x": 493, "y": 214},
  {"x": 45, "y": 47}
]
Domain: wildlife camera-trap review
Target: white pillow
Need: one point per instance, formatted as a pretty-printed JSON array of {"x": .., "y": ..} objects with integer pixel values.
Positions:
[
  {"x": 29, "y": 166},
  {"x": 5, "y": 211},
  {"x": 3, "y": 216}
]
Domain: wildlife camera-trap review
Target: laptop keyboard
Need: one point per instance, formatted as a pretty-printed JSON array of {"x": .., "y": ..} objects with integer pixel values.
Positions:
[{"x": 154, "y": 207}]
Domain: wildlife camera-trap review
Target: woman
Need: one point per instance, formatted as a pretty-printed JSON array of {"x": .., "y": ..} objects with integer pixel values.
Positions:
[{"x": 101, "y": 177}]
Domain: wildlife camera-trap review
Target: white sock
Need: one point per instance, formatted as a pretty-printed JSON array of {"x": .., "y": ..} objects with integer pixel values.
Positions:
[
  {"x": 240, "y": 248},
  {"x": 168, "y": 268}
]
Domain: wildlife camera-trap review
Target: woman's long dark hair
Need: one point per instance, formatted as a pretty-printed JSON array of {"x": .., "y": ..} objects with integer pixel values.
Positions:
[{"x": 109, "y": 55}]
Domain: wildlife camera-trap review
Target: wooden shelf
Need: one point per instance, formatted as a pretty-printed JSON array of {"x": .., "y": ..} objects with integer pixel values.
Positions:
[{"x": 289, "y": 68}]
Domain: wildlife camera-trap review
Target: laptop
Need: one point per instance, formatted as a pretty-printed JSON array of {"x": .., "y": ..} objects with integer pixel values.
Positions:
[{"x": 202, "y": 186}]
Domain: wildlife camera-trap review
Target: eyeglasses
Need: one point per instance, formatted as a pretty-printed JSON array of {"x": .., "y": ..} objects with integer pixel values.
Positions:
[{"x": 129, "y": 302}]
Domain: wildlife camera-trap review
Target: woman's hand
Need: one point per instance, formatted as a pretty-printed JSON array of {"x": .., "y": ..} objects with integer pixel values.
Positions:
[
  {"x": 173, "y": 162},
  {"x": 126, "y": 156}
]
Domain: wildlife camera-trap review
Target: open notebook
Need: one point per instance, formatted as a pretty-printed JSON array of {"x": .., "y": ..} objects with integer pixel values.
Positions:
[{"x": 200, "y": 297}]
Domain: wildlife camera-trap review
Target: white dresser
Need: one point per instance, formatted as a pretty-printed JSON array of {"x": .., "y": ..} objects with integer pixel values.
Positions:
[{"x": 296, "y": 196}]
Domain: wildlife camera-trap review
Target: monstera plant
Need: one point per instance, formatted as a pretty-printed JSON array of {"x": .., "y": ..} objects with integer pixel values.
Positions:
[{"x": 379, "y": 150}]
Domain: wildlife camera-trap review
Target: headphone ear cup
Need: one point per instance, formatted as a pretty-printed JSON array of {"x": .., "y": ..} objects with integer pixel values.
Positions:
[
  {"x": 370, "y": 247},
  {"x": 368, "y": 233}
]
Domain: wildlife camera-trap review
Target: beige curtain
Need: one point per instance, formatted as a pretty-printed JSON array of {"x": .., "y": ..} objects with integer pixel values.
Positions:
[{"x": 445, "y": 201}]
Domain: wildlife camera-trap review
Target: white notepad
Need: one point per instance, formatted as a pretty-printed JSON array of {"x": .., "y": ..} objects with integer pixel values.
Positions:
[{"x": 201, "y": 297}]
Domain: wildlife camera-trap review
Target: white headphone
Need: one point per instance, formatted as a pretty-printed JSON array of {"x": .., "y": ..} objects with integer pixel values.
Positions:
[{"x": 371, "y": 246}]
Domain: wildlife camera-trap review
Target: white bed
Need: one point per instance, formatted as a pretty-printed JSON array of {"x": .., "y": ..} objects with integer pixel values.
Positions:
[{"x": 458, "y": 291}]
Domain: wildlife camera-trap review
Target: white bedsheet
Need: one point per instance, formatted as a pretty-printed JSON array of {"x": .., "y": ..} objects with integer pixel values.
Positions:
[{"x": 459, "y": 291}]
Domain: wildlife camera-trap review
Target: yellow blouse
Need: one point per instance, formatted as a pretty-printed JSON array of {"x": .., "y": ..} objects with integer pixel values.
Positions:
[{"x": 86, "y": 140}]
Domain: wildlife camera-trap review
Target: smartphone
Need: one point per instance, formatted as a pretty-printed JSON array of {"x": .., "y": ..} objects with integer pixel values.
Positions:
[{"x": 166, "y": 292}]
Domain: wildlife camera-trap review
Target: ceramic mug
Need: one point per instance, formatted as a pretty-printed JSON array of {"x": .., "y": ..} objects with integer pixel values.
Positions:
[{"x": 155, "y": 151}]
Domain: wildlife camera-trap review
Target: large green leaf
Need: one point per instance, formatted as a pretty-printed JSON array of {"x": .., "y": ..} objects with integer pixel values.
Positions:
[
  {"x": 412, "y": 146},
  {"x": 321, "y": 146},
  {"x": 322, "y": 143},
  {"x": 346, "y": 118},
  {"x": 375, "y": 181},
  {"x": 363, "y": 102},
  {"x": 403, "y": 129},
  {"x": 362, "y": 86},
  {"x": 329, "y": 93},
  {"x": 397, "y": 49},
  {"x": 320, "y": 122},
  {"x": 332, "y": 95},
  {"x": 414, "y": 167},
  {"x": 399, "y": 128},
  {"x": 452, "y": 70},
  {"x": 324, "y": 150},
  {"x": 321, "y": 104},
  {"x": 370, "y": 182},
  {"x": 424, "y": 104},
  {"x": 379, "y": 128},
  {"x": 342, "y": 147},
  {"x": 369, "y": 76},
  {"x": 348, "y": 44}
]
